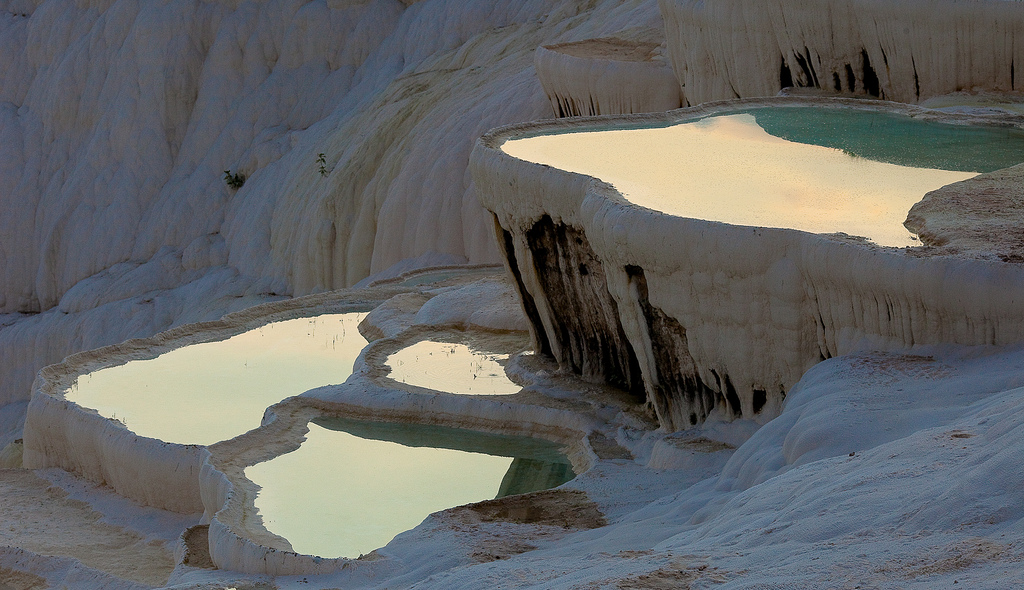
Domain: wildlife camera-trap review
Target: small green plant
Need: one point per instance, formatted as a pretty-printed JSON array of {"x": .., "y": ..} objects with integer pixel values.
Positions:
[
  {"x": 235, "y": 180},
  {"x": 321, "y": 162}
]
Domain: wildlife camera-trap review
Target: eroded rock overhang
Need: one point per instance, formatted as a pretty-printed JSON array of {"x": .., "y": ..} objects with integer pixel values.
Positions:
[{"x": 704, "y": 317}]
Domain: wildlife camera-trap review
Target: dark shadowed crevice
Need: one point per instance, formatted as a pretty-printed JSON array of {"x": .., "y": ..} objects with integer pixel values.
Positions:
[
  {"x": 805, "y": 68},
  {"x": 917, "y": 80},
  {"x": 584, "y": 316},
  {"x": 836, "y": 83},
  {"x": 871, "y": 85},
  {"x": 732, "y": 397},
  {"x": 851, "y": 79},
  {"x": 728, "y": 393},
  {"x": 529, "y": 306},
  {"x": 785, "y": 75},
  {"x": 760, "y": 399},
  {"x": 679, "y": 396},
  {"x": 810, "y": 64},
  {"x": 823, "y": 349}
]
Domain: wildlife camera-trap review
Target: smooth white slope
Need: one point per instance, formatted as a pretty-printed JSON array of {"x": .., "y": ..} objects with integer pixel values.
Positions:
[
  {"x": 118, "y": 118},
  {"x": 122, "y": 117}
]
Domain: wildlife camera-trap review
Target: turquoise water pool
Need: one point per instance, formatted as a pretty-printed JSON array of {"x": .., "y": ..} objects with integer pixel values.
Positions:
[{"x": 819, "y": 170}]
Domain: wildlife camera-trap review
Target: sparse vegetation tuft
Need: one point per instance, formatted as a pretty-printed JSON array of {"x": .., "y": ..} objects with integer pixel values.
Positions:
[
  {"x": 321, "y": 162},
  {"x": 235, "y": 180}
]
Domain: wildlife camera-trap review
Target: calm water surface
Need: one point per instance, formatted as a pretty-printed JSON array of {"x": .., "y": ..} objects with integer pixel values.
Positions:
[
  {"x": 205, "y": 393},
  {"x": 453, "y": 368},
  {"x": 814, "y": 169},
  {"x": 352, "y": 486}
]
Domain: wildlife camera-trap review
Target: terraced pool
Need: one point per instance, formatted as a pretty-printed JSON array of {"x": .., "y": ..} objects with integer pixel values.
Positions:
[
  {"x": 214, "y": 391},
  {"x": 352, "y": 486},
  {"x": 821, "y": 170}
]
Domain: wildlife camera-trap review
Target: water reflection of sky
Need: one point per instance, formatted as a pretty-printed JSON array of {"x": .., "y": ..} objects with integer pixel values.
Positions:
[
  {"x": 453, "y": 368},
  {"x": 352, "y": 486},
  {"x": 205, "y": 393},
  {"x": 728, "y": 168}
]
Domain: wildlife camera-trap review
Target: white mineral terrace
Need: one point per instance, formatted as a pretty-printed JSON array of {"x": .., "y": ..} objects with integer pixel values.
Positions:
[
  {"x": 728, "y": 168},
  {"x": 452, "y": 368},
  {"x": 232, "y": 380},
  {"x": 758, "y": 306}
]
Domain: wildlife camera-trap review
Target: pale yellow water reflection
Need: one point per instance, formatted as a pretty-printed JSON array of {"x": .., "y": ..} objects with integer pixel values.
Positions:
[
  {"x": 728, "y": 168},
  {"x": 340, "y": 495},
  {"x": 453, "y": 368},
  {"x": 205, "y": 393}
]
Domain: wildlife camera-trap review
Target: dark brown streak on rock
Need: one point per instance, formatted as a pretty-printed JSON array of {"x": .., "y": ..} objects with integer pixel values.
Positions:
[
  {"x": 680, "y": 397},
  {"x": 529, "y": 306},
  {"x": 584, "y": 316}
]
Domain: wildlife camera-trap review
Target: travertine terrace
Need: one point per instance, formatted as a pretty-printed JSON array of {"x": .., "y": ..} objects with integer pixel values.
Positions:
[
  {"x": 703, "y": 317},
  {"x": 760, "y": 407}
]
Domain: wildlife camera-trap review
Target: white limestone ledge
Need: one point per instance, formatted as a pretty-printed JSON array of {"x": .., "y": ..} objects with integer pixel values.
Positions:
[
  {"x": 607, "y": 76},
  {"x": 60, "y": 433},
  {"x": 982, "y": 216},
  {"x": 905, "y": 51},
  {"x": 705, "y": 317}
]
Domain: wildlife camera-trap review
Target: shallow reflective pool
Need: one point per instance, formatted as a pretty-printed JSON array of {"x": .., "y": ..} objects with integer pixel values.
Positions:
[
  {"x": 453, "y": 368},
  {"x": 213, "y": 391},
  {"x": 820, "y": 170},
  {"x": 352, "y": 486}
]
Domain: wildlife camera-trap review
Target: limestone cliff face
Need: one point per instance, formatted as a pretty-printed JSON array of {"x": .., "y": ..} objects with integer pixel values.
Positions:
[
  {"x": 904, "y": 51},
  {"x": 119, "y": 118}
]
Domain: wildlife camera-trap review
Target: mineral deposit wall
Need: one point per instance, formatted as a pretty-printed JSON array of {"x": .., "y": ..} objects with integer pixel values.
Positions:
[{"x": 903, "y": 51}]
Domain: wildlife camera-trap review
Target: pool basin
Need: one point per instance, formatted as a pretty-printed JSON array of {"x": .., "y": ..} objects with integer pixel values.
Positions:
[
  {"x": 815, "y": 169},
  {"x": 452, "y": 368},
  {"x": 353, "y": 485},
  {"x": 212, "y": 391}
]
